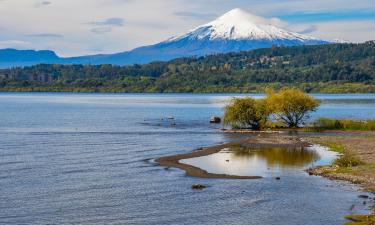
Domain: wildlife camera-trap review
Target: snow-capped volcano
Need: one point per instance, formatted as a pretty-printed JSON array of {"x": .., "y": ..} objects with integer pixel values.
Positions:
[
  {"x": 236, "y": 30},
  {"x": 238, "y": 24}
]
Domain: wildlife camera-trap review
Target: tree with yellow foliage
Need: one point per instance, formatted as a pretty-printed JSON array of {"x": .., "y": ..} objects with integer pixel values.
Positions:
[
  {"x": 291, "y": 106},
  {"x": 246, "y": 113}
]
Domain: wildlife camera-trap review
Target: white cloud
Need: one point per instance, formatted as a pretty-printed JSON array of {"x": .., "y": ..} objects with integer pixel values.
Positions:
[
  {"x": 126, "y": 24},
  {"x": 355, "y": 31},
  {"x": 14, "y": 44}
]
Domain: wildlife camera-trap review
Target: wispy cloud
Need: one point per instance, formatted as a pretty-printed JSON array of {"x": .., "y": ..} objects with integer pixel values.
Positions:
[
  {"x": 13, "y": 44},
  {"x": 310, "y": 29},
  {"x": 42, "y": 3},
  {"x": 76, "y": 27},
  {"x": 46, "y": 35},
  {"x": 196, "y": 15},
  {"x": 101, "y": 30},
  {"x": 118, "y": 22},
  {"x": 105, "y": 26}
]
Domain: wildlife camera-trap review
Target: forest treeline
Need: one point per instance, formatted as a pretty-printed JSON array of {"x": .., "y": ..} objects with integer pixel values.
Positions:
[{"x": 324, "y": 68}]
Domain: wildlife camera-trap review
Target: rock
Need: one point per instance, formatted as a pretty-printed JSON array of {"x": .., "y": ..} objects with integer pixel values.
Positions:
[
  {"x": 198, "y": 186},
  {"x": 363, "y": 196},
  {"x": 215, "y": 119},
  {"x": 278, "y": 178}
]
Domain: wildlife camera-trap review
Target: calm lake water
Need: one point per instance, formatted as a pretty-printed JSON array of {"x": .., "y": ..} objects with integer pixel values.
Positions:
[
  {"x": 265, "y": 162},
  {"x": 87, "y": 158}
]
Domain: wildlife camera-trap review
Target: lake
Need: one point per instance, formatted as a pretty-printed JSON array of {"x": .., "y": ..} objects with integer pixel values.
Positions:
[{"x": 88, "y": 158}]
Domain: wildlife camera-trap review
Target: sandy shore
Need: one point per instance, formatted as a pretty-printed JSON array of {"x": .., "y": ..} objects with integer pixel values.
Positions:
[
  {"x": 362, "y": 147},
  {"x": 262, "y": 140}
]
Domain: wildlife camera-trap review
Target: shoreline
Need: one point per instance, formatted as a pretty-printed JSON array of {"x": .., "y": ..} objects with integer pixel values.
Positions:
[
  {"x": 192, "y": 171},
  {"x": 260, "y": 141},
  {"x": 360, "y": 147}
]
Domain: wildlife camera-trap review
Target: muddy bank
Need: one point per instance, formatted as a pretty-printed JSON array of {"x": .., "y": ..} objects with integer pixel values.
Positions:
[
  {"x": 260, "y": 141},
  {"x": 360, "y": 147}
]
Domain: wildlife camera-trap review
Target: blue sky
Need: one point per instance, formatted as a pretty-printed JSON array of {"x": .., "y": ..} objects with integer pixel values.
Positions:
[
  {"x": 76, "y": 27},
  {"x": 325, "y": 16}
]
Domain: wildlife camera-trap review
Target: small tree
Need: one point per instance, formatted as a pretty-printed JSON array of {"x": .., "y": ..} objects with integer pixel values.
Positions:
[
  {"x": 246, "y": 113},
  {"x": 291, "y": 106}
]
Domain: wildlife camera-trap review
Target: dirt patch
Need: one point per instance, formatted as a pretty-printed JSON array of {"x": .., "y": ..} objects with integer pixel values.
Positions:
[{"x": 361, "y": 147}]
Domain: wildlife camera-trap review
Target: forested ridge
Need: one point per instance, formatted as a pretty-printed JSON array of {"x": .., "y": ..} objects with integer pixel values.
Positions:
[{"x": 323, "y": 68}]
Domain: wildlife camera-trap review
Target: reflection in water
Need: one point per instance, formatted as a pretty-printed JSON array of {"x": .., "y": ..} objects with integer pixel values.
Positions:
[
  {"x": 282, "y": 157},
  {"x": 245, "y": 161}
]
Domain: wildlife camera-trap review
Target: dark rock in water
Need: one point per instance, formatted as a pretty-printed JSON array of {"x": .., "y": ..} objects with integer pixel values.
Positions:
[
  {"x": 215, "y": 119},
  {"x": 278, "y": 178},
  {"x": 198, "y": 186},
  {"x": 363, "y": 196}
]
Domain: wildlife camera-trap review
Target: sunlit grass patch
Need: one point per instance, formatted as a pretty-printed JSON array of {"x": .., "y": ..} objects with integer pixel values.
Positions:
[
  {"x": 344, "y": 124},
  {"x": 361, "y": 219},
  {"x": 348, "y": 160}
]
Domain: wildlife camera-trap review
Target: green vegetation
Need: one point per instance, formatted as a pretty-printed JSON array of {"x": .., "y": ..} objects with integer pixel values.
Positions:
[
  {"x": 336, "y": 68},
  {"x": 246, "y": 113},
  {"x": 289, "y": 106},
  {"x": 336, "y": 147},
  {"x": 335, "y": 124},
  {"x": 356, "y": 164},
  {"x": 361, "y": 219},
  {"x": 348, "y": 160}
]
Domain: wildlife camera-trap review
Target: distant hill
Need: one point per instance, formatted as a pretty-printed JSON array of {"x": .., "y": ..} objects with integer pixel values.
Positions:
[
  {"x": 13, "y": 57},
  {"x": 235, "y": 31},
  {"x": 323, "y": 68}
]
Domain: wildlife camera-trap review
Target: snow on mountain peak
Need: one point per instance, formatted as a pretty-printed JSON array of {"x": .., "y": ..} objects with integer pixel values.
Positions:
[
  {"x": 240, "y": 17},
  {"x": 238, "y": 24}
]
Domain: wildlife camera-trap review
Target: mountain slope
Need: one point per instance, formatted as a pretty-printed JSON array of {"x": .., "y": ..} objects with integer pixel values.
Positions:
[
  {"x": 13, "y": 57},
  {"x": 235, "y": 31}
]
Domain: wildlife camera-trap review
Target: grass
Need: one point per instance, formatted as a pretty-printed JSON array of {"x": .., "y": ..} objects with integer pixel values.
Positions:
[
  {"x": 333, "y": 146},
  {"x": 348, "y": 160},
  {"x": 361, "y": 219},
  {"x": 345, "y": 124},
  {"x": 349, "y": 167}
]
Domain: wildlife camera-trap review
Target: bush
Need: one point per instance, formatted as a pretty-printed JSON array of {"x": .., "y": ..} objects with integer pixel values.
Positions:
[
  {"x": 246, "y": 113},
  {"x": 334, "y": 124},
  {"x": 348, "y": 160}
]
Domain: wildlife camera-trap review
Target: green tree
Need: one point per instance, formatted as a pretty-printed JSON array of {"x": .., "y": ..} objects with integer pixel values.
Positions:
[
  {"x": 291, "y": 106},
  {"x": 246, "y": 113}
]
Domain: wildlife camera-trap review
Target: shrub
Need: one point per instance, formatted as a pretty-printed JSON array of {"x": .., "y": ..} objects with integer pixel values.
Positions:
[
  {"x": 246, "y": 113},
  {"x": 348, "y": 160},
  {"x": 334, "y": 124}
]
